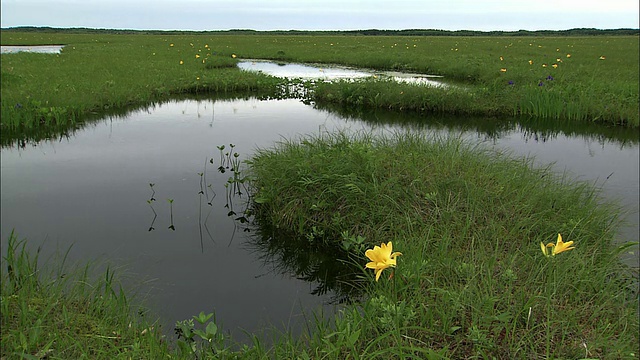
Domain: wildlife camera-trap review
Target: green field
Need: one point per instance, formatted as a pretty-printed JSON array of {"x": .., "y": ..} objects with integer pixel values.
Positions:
[{"x": 585, "y": 79}]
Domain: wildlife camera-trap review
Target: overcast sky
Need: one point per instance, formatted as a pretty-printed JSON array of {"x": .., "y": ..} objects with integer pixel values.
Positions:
[{"x": 322, "y": 14}]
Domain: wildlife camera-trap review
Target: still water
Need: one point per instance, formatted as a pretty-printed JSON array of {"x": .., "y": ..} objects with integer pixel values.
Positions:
[
  {"x": 92, "y": 191},
  {"x": 333, "y": 72},
  {"x": 42, "y": 49}
]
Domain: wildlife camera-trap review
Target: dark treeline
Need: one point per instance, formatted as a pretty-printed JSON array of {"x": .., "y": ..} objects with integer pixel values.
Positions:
[{"x": 368, "y": 32}]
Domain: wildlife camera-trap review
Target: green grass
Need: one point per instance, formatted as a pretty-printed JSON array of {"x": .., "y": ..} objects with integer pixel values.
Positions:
[
  {"x": 472, "y": 281},
  {"x": 65, "y": 312},
  {"x": 104, "y": 71},
  {"x": 98, "y": 73}
]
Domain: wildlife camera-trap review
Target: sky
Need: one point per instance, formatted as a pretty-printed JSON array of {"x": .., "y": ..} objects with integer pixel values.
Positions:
[{"x": 483, "y": 15}]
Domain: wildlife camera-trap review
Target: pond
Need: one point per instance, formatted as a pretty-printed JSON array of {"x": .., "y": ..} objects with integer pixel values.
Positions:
[
  {"x": 332, "y": 72},
  {"x": 140, "y": 191},
  {"x": 43, "y": 49}
]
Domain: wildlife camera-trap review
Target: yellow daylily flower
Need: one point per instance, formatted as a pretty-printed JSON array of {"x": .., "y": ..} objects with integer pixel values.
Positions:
[
  {"x": 561, "y": 246},
  {"x": 381, "y": 258},
  {"x": 552, "y": 250}
]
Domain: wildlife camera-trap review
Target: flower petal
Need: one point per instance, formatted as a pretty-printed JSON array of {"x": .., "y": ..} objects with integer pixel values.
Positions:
[{"x": 378, "y": 272}]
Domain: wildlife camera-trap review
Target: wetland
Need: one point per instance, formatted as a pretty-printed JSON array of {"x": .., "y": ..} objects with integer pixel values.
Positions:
[{"x": 167, "y": 194}]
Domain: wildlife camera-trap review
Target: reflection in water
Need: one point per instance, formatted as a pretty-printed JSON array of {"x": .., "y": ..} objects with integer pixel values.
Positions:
[
  {"x": 529, "y": 129},
  {"x": 327, "y": 269}
]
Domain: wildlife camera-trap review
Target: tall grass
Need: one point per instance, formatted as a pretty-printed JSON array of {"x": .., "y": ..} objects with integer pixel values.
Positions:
[
  {"x": 58, "y": 311},
  {"x": 472, "y": 281},
  {"x": 595, "y": 77},
  {"x": 95, "y": 73}
]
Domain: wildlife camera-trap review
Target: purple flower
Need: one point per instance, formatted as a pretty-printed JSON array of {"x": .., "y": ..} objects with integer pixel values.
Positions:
[
  {"x": 549, "y": 77},
  {"x": 511, "y": 82},
  {"x": 540, "y": 83}
]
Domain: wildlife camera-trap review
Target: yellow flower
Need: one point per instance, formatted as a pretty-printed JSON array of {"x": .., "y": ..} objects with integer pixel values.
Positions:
[
  {"x": 555, "y": 65},
  {"x": 171, "y": 44},
  {"x": 602, "y": 57},
  {"x": 503, "y": 70},
  {"x": 552, "y": 250},
  {"x": 197, "y": 56},
  {"x": 501, "y": 58},
  {"x": 233, "y": 56},
  {"x": 381, "y": 258},
  {"x": 568, "y": 55},
  {"x": 530, "y": 62},
  {"x": 181, "y": 62},
  {"x": 544, "y": 65}
]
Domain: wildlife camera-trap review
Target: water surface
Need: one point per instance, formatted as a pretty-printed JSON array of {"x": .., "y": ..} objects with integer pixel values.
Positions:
[
  {"x": 92, "y": 190},
  {"x": 43, "y": 49},
  {"x": 333, "y": 72}
]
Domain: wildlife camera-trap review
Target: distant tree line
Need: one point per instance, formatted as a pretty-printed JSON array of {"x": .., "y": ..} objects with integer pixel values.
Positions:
[{"x": 368, "y": 32}]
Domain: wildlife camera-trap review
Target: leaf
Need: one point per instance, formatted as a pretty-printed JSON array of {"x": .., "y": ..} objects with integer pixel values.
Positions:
[
  {"x": 211, "y": 329},
  {"x": 202, "y": 317},
  {"x": 201, "y": 334},
  {"x": 261, "y": 200},
  {"x": 354, "y": 337}
]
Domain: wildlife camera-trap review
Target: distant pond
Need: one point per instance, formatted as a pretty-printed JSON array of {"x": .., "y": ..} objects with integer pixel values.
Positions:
[
  {"x": 42, "y": 49},
  {"x": 333, "y": 72},
  {"x": 143, "y": 191}
]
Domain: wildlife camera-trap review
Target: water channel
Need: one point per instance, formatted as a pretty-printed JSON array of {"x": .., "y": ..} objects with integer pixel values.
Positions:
[{"x": 92, "y": 190}]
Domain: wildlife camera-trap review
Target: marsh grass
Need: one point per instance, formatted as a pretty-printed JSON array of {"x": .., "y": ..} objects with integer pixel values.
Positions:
[
  {"x": 95, "y": 72},
  {"x": 58, "y": 311},
  {"x": 472, "y": 281}
]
